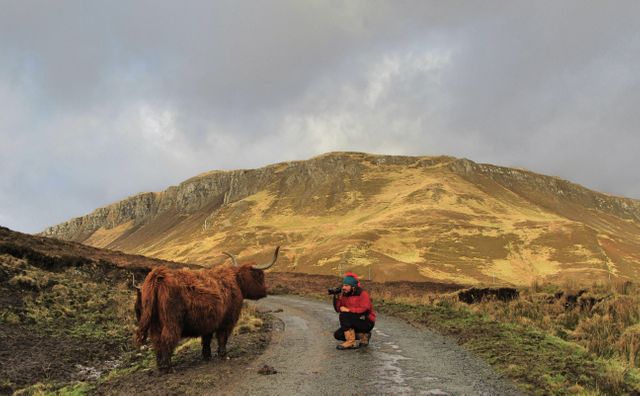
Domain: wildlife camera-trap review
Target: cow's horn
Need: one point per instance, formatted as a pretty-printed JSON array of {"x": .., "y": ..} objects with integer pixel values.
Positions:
[
  {"x": 268, "y": 265},
  {"x": 233, "y": 258},
  {"x": 133, "y": 281}
]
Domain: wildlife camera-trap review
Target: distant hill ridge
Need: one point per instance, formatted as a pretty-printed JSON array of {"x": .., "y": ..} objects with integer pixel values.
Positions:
[{"x": 389, "y": 217}]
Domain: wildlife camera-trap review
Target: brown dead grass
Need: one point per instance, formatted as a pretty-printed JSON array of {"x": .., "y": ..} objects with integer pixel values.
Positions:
[{"x": 604, "y": 319}]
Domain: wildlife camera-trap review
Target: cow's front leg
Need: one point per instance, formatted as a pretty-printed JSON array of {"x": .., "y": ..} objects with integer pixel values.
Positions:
[
  {"x": 222, "y": 336},
  {"x": 206, "y": 346}
]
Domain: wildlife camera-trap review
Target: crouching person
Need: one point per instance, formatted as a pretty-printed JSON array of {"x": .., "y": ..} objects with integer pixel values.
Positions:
[{"x": 357, "y": 317}]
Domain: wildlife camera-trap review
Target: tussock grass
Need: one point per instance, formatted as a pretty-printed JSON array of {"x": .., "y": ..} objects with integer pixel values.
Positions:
[
  {"x": 46, "y": 389},
  {"x": 629, "y": 344},
  {"x": 249, "y": 321},
  {"x": 74, "y": 310}
]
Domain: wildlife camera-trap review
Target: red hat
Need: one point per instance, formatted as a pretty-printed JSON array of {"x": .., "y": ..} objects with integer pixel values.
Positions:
[{"x": 353, "y": 275}]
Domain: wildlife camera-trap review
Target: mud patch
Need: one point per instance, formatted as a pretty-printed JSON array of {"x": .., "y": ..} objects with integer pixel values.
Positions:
[{"x": 28, "y": 358}]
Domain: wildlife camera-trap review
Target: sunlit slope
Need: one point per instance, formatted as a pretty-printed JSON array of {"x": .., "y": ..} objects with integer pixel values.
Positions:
[{"x": 388, "y": 217}]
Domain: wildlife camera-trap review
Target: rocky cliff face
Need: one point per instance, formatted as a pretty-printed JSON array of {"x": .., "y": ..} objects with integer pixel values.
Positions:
[
  {"x": 188, "y": 197},
  {"x": 136, "y": 208},
  {"x": 438, "y": 218},
  {"x": 219, "y": 188}
]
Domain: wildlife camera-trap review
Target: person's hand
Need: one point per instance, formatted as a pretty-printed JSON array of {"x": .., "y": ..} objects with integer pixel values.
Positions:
[{"x": 344, "y": 309}]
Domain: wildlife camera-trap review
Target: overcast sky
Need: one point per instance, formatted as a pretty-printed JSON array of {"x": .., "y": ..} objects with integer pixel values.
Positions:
[{"x": 102, "y": 100}]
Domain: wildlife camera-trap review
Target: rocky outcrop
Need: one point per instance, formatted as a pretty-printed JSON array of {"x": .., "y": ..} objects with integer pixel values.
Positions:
[
  {"x": 218, "y": 188},
  {"x": 137, "y": 208}
]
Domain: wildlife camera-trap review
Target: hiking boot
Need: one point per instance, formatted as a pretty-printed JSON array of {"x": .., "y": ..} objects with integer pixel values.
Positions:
[
  {"x": 350, "y": 343},
  {"x": 364, "y": 339}
]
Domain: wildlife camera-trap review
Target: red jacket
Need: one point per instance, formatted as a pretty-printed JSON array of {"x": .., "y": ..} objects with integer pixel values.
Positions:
[{"x": 357, "y": 303}]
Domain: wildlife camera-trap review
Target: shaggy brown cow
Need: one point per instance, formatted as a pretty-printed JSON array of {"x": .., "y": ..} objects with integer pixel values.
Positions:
[{"x": 185, "y": 303}]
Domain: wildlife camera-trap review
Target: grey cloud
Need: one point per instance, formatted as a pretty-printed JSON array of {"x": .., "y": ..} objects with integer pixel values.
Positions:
[{"x": 102, "y": 100}]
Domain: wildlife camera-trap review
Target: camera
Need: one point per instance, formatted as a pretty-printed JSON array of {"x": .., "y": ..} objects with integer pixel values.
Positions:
[{"x": 335, "y": 290}]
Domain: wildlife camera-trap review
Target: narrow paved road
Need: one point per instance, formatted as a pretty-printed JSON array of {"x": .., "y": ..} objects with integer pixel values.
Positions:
[{"x": 401, "y": 359}]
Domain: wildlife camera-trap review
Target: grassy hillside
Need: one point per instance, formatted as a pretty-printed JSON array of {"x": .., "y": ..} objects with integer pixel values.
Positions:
[
  {"x": 67, "y": 319},
  {"x": 387, "y": 217},
  {"x": 64, "y": 316}
]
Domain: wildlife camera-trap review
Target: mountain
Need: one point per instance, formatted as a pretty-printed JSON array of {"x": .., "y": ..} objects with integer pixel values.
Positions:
[{"x": 385, "y": 217}]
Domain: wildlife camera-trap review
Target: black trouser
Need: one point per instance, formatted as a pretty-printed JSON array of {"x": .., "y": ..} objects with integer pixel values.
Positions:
[{"x": 349, "y": 320}]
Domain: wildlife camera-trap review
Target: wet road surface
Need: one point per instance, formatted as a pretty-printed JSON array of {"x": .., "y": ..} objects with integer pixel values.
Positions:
[{"x": 401, "y": 359}]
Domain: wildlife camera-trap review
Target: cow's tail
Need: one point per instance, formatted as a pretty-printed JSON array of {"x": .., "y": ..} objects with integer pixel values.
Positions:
[{"x": 149, "y": 305}]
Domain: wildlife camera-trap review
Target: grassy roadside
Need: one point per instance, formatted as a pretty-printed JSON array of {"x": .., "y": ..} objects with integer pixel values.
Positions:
[{"x": 538, "y": 360}]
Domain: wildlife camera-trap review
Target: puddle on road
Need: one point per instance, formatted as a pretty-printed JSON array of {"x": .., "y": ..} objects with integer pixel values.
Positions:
[
  {"x": 392, "y": 378},
  {"x": 393, "y": 346},
  {"x": 381, "y": 333},
  {"x": 297, "y": 322},
  {"x": 435, "y": 392},
  {"x": 390, "y": 372}
]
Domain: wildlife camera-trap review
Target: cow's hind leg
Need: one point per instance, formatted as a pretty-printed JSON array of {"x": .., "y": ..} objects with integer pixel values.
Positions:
[
  {"x": 206, "y": 346},
  {"x": 223, "y": 336},
  {"x": 163, "y": 359},
  {"x": 163, "y": 353},
  {"x": 164, "y": 346}
]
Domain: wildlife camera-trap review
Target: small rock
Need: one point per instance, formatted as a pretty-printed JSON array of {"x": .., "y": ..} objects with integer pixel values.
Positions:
[{"x": 267, "y": 370}]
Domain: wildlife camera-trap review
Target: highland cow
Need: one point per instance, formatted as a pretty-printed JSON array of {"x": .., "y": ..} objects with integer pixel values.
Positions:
[{"x": 173, "y": 304}]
